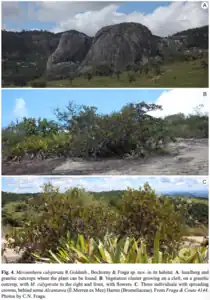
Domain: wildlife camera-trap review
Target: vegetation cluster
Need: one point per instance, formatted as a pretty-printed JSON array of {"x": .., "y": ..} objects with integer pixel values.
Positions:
[
  {"x": 125, "y": 226},
  {"x": 80, "y": 131}
]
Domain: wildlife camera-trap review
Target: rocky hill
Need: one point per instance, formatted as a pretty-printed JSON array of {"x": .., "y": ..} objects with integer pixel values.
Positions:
[
  {"x": 121, "y": 45},
  {"x": 72, "y": 49},
  {"x": 28, "y": 55}
]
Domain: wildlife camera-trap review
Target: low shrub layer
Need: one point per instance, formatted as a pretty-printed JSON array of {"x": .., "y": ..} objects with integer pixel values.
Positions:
[
  {"x": 139, "y": 215},
  {"x": 82, "y": 132}
]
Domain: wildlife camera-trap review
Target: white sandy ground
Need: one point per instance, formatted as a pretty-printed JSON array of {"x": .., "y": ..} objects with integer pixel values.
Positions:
[
  {"x": 10, "y": 255},
  {"x": 189, "y": 156}
]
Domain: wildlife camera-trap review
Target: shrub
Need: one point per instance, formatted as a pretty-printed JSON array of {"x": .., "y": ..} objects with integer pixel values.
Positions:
[
  {"x": 32, "y": 147},
  {"x": 16, "y": 153},
  {"x": 14, "y": 214},
  {"x": 118, "y": 74},
  {"x": 71, "y": 78},
  {"x": 39, "y": 84},
  {"x": 146, "y": 69},
  {"x": 192, "y": 126},
  {"x": 195, "y": 213},
  {"x": 157, "y": 69},
  {"x": 75, "y": 227},
  {"x": 143, "y": 213},
  {"x": 19, "y": 81},
  {"x": 131, "y": 77},
  {"x": 59, "y": 144},
  {"x": 35, "y": 138},
  {"x": 89, "y": 76},
  {"x": 98, "y": 136},
  {"x": 140, "y": 69},
  {"x": 198, "y": 213},
  {"x": 35, "y": 146},
  {"x": 11, "y": 137},
  {"x": 204, "y": 64},
  {"x": 132, "y": 68},
  {"x": 103, "y": 69},
  {"x": 74, "y": 211}
]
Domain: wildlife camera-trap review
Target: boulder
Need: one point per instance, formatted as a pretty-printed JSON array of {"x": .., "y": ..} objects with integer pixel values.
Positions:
[
  {"x": 121, "y": 45},
  {"x": 71, "y": 50}
]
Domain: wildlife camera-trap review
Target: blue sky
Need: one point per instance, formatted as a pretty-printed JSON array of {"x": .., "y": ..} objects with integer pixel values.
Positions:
[
  {"x": 162, "y": 18},
  {"x": 17, "y": 103},
  {"x": 146, "y": 7},
  {"x": 41, "y": 102},
  {"x": 160, "y": 184}
]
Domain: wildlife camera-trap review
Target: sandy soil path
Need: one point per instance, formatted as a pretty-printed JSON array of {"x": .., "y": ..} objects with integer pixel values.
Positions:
[
  {"x": 10, "y": 255},
  {"x": 187, "y": 157},
  {"x": 193, "y": 240}
]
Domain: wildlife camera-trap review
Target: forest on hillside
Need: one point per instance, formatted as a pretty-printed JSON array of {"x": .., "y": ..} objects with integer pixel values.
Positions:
[{"x": 77, "y": 226}]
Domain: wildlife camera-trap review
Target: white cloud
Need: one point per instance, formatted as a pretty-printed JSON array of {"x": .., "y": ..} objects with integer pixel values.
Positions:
[
  {"x": 20, "y": 109},
  {"x": 163, "y": 21},
  {"x": 56, "y": 12},
  {"x": 33, "y": 184},
  {"x": 89, "y": 17},
  {"x": 182, "y": 101}
]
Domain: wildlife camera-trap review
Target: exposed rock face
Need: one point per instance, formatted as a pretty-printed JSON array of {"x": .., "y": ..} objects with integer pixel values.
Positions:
[
  {"x": 33, "y": 53},
  {"x": 121, "y": 45},
  {"x": 70, "y": 52}
]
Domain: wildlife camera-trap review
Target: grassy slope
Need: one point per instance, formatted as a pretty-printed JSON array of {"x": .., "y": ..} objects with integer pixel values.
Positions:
[{"x": 179, "y": 74}]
